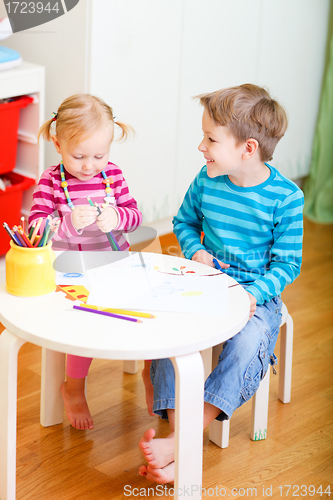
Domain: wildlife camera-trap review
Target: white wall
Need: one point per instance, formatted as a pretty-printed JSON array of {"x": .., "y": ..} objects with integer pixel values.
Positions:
[{"x": 147, "y": 58}]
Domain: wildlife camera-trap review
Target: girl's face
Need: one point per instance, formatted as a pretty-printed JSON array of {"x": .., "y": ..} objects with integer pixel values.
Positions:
[{"x": 89, "y": 157}]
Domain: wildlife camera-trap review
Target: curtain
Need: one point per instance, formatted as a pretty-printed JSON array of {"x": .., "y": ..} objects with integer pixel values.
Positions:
[{"x": 318, "y": 188}]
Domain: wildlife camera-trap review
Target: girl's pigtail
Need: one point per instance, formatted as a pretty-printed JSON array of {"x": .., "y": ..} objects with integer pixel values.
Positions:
[
  {"x": 126, "y": 130},
  {"x": 45, "y": 130}
]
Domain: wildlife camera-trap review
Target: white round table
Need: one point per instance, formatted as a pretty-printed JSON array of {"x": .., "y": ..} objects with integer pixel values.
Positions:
[{"x": 51, "y": 322}]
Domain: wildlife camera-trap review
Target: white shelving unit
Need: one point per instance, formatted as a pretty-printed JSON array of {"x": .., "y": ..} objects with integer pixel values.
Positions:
[{"x": 27, "y": 79}]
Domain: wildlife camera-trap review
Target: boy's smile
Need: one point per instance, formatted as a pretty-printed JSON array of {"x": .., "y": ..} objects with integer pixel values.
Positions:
[{"x": 222, "y": 155}]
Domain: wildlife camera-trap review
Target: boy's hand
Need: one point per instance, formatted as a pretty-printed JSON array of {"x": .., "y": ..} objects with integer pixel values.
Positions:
[
  {"x": 83, "y": 215},
  {"x": 206, "y": 258},
  {"x": 253, "y": 304},
  {"x": 108, "y": 219}
]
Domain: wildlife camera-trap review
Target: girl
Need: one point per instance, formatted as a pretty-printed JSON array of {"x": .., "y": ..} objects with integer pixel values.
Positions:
[{"x": 84, "y": 131}]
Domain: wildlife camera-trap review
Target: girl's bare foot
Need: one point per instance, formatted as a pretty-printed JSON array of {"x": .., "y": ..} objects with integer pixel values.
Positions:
[
  {"x": 157, "y": 452},
  {"x": 160, "y": 476},
  {"x": 76, "y": 405},
  {"x": 148, "y": 388}
]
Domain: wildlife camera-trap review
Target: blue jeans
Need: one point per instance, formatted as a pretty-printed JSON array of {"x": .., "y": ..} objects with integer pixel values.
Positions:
[{"x": 242, "y": 365}]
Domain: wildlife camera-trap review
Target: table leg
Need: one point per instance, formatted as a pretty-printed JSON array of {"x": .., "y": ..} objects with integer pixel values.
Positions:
[
  {"x": 53, "y": 375},
  {"x": 188, "y": 425},
  {"x": 9, "y": 348}
]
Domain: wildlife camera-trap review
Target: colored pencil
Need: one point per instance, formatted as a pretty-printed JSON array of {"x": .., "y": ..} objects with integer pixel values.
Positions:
[
  {"x": 104, "y": 313},
  {"x": 34, "y": 234},
  {"x": 32, "y": 230},
  {"x": 126, "y": 312},
  {"x": 109, "y": 235},
  {"x": 11, "y": 234},
  {"x": 15, "y": 230},
  {"x": 217, "y": 265},
  {"x": 25, "y": 237}
]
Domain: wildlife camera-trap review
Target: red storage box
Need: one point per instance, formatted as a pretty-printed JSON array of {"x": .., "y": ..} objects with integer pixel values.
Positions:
[
  {"x": 9, "y": 122},
  {"x": 11, "y": 204}
]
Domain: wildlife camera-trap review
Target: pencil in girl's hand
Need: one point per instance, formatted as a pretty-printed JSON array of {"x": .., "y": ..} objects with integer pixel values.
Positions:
[{"x": 109, "y": 235}]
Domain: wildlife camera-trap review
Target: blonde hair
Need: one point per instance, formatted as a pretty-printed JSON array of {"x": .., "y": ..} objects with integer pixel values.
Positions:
[
  {"x": 79, "y": 117},
  {"x": 248, "y": 111}
]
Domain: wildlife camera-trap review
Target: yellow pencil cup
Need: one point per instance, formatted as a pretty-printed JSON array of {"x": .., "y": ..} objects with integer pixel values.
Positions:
[{"x": 29, "y": 271}]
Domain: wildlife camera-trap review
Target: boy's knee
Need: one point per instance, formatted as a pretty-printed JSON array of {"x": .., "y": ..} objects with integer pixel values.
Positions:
[{"x": 255, "y": 372}]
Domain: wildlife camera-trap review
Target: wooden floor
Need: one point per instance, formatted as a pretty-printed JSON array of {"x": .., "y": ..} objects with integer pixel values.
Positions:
[{"x": 61, "y": 463}]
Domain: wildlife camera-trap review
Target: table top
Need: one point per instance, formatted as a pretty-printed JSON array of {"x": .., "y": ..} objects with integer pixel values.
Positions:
[{"x": 50, "y": 321}]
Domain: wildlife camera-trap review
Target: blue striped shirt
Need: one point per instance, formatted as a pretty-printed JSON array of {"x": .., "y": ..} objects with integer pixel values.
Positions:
[{"x": 257, "y": 230}]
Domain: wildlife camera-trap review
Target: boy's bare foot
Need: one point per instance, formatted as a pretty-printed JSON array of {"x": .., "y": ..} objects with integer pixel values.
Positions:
[
  {"x": 160, "y": 476},
  {"x": 76, "y": 406},
  {"x": 148, "y": 388},
  {"x": 157, "y": 452}
]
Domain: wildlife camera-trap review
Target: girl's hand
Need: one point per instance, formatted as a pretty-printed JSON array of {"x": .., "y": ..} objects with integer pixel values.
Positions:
[
  {"x": 83, "y": 215},
  {"x": 108, "y": 219},
  {"x": 206, "y": 258},
  {"x": 253, "y": 304}
]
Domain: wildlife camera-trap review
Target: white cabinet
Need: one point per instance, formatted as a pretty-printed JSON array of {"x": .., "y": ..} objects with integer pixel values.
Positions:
[{"x": 27, "y": 79}]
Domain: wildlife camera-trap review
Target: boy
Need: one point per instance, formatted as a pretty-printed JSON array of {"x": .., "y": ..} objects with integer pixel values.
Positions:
[{"x": 251, "y": 217}]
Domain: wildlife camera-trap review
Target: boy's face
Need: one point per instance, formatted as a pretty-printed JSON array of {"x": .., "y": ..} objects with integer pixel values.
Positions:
[
  {"x": 89, "y": 157},
  {"x": 222, "y": 155}
]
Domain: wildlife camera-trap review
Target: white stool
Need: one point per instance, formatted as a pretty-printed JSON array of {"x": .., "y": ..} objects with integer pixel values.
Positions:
[{"x": 219, "y": 431}]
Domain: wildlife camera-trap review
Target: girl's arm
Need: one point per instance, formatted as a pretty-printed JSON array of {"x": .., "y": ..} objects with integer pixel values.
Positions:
[{"x": 129, "y": 216}]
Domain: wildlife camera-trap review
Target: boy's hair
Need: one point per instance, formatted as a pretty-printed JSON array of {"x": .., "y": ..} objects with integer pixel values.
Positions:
[
  {"x": 80, "y": 116},
  {"x": 248, "y": 111}
]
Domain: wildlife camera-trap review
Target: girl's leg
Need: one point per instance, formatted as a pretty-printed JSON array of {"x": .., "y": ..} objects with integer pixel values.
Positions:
[{"x": 73, "y": 392}]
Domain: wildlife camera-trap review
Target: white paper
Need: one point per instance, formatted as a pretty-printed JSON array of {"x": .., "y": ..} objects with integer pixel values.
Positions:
[{"x": 126, "y": 284}]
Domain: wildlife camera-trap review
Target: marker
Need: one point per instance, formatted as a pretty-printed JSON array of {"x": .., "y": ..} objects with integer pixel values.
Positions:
[
  {"x": 217, "y": 265},
  {"x": 104, "y": 313}
]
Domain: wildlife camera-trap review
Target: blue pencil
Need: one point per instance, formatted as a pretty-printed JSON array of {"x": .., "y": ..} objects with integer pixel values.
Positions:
[{"x": 217, "y": 265}]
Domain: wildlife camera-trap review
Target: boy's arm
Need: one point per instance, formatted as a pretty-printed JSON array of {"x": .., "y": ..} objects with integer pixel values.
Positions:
[
  {"x": 187, "y": 224},
  {"x": 286, "y": 251}
]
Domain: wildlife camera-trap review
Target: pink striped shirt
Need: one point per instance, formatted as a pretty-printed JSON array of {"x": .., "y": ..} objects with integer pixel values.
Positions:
[{"x": 49, "y": 199}]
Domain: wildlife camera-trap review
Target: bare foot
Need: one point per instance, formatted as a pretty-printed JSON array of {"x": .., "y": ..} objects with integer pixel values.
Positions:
[
  {"x": 157, "y": 452},
  {"x": 149, "y": 388},
  {"x": 160, "y": 476},
  {"x": 76, "y": 405}
]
